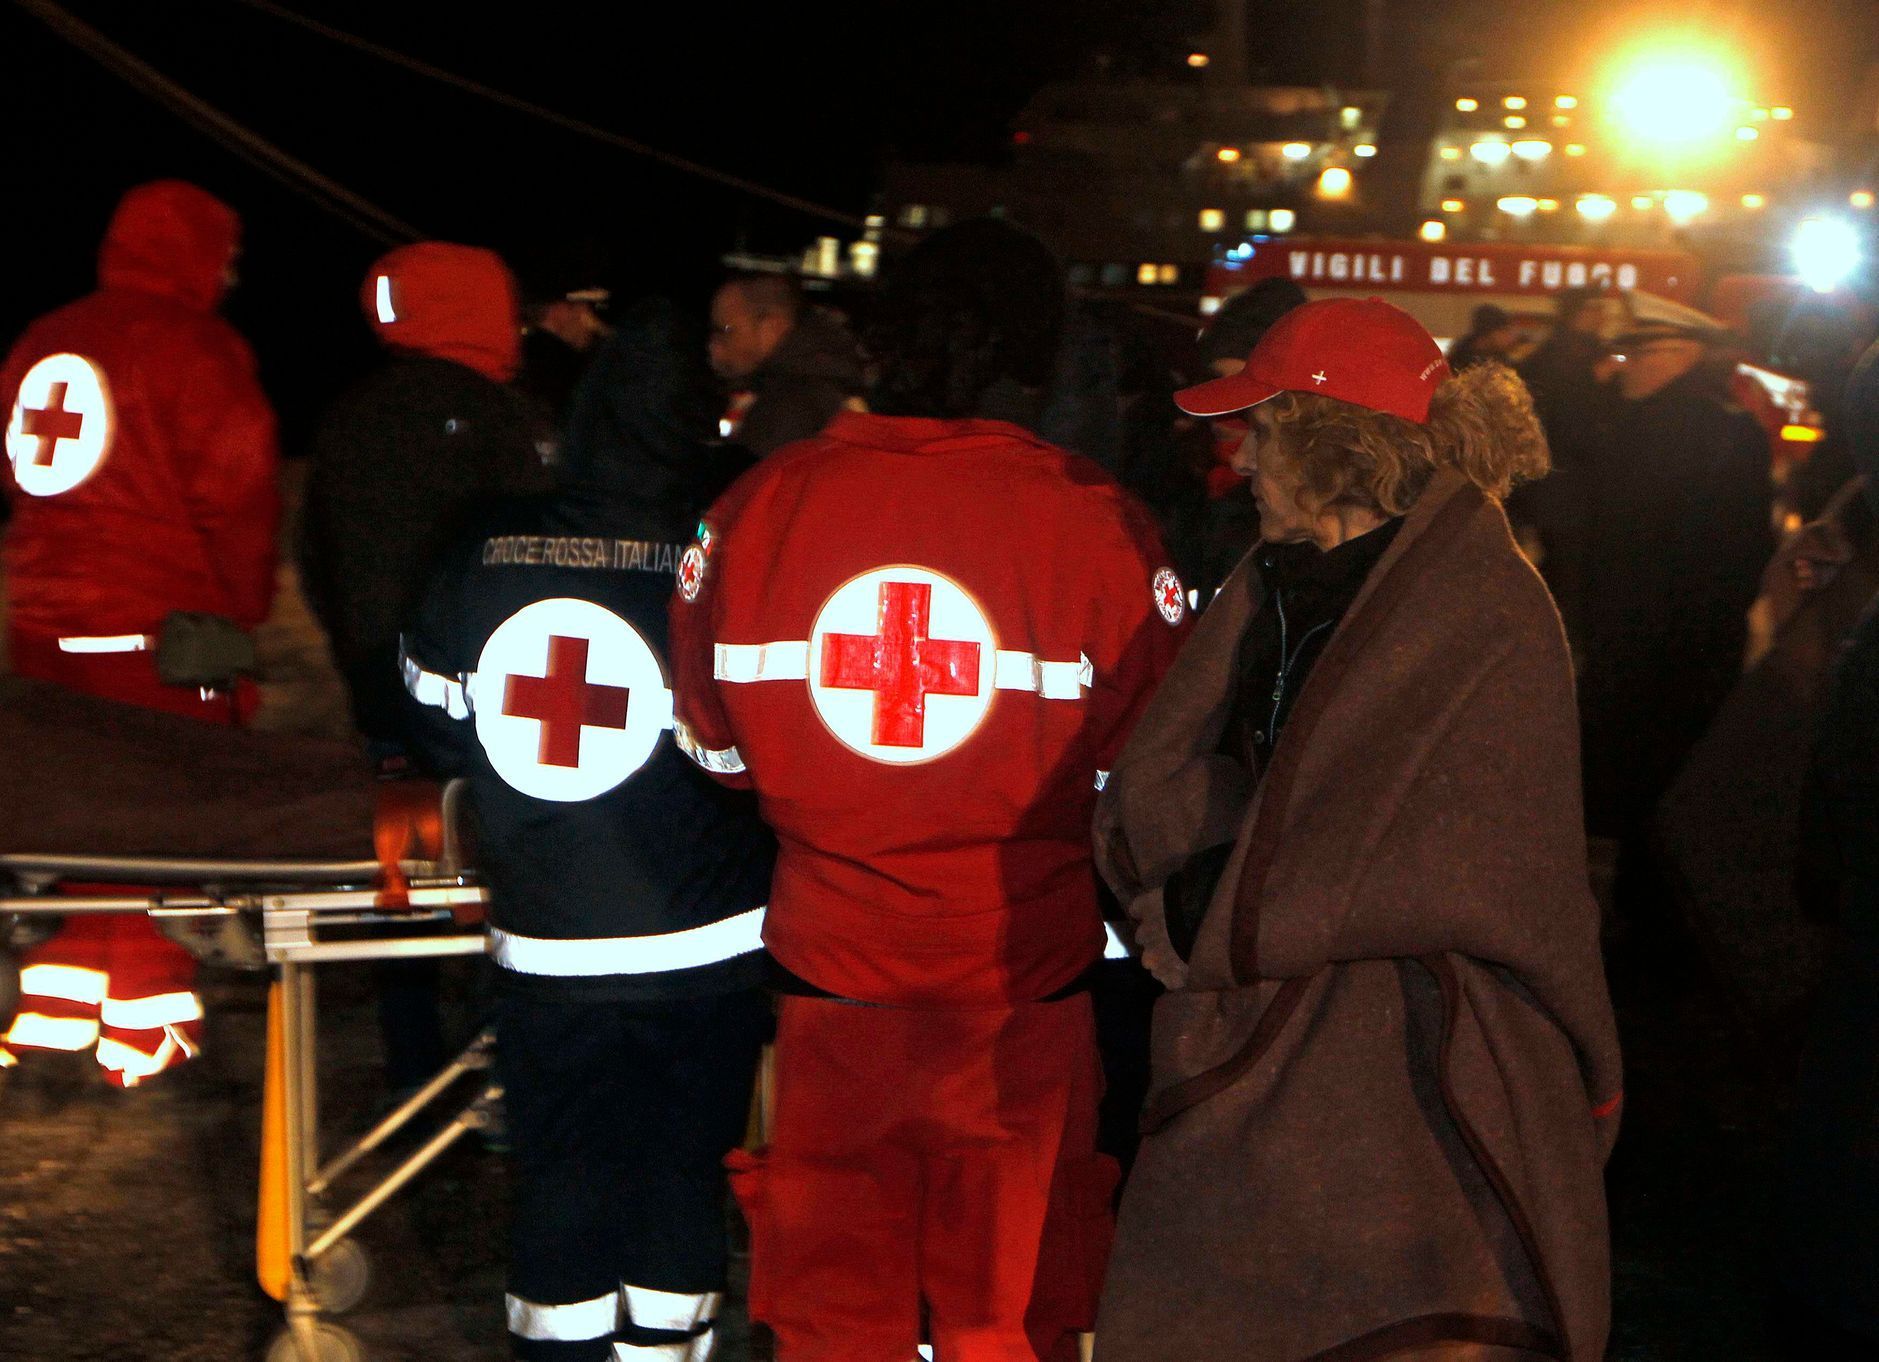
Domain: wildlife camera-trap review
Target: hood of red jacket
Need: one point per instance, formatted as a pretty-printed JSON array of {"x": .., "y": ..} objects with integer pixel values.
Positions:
[
  {"x": 447, "y": 301},
  {"x": 170, "y": 238}
]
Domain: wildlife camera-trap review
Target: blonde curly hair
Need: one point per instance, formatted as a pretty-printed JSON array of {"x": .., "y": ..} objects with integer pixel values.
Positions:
[{"x": 1481, "y": 424}]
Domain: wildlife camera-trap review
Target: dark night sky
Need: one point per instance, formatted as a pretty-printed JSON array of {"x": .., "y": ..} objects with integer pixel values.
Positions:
[{"x": 808, "y": 97}]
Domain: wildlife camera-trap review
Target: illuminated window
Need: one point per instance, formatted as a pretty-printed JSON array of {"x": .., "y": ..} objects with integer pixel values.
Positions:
[
  {"x": 1860, "y": 198},
  {"x": 1335, "y": 183},
  {"x": 1746, "y": 134},
  {"x": 1642, "y": 202},
  {"x": 1255, "y": 219},
  {"x": 1451, "y": 153},
  {"x": 1228, "y": 155},
  {"x": 1145, "y": 274},
  {"x": 1518, "y": 205},
  {"x": 1754, "y": 201},
  {"x": 1549, "y": 205},
  {"x": 1282, "y": 219},
  {"x": 1515, "y": 121},
  {"x": 1515, "y": 102},
  {"x": 1566, "y": 102},
  {"x": 1169, "y": 274},
  {"x": 1467, "y": 105},
  {"x": 1490, "y": 153},
  {"x": 1758, "y": 115},
  {"x": 1561, "y": 121},
  {"x": 1533, "y": 149},
  {"x": 1596, "y": 207},
  {"x": 1575, "y": 149},
  {"x": 1433, "y": 230},
  {"x": 1452, "y": 205},
  {"x": 1364, "y": 150},
  {"x": 1350, "y": 116},
  {"x": 1212, "y": 220},
  {"x": 1781, "y": 113},
  {"x": 1685, "y": 204},
  {"x": 1295, "y": 151},
  {"x": 913, "y": 215},
  {"x": 1197, "y": 60}
]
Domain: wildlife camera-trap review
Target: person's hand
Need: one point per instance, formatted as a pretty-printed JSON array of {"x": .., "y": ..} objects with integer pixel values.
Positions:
[
  {"x": 1819, "y": 554},
  {"x": 1158, "y": 954}
]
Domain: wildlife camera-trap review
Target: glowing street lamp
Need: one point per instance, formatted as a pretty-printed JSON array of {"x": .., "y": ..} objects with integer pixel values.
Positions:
[
  {"x": 1334, "y": 183},
  {"x": 1675, "y": 99},
  {"x": 1825, "y": 252}
]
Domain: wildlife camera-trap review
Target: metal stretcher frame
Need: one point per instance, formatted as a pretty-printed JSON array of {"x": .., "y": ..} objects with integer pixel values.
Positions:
[{"x": 309, "y": 913}]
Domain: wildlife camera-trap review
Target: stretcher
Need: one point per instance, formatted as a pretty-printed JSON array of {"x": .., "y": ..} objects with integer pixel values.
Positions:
[{"x": 415, "y": 898}]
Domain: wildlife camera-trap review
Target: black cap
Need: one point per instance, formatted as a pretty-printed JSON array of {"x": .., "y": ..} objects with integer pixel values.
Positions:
[
  {"x": 1246, "y": 316},
  {"x": 1488, "y": 318}
]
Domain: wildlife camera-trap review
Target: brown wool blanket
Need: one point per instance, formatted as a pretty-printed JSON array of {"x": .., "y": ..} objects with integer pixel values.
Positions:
[{"x": 1383, "y": 1100}]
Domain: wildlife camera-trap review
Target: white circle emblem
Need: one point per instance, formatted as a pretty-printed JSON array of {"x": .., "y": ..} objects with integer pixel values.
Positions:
[
  {"x": 691, "y": 572},
  {"x": 1169, "y": 598},
  {"x": 60, "y": 429},
  {"x": 569, "y": 700},
  {"x": 901, "y": 664}
]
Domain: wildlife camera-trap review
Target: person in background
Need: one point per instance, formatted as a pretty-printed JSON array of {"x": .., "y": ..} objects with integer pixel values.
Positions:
[
  {"x": 920, "y": 637},
  {"x": 146, "y": 501},
  {"x": 789, "y": 367},
  {"x": 1492, "y": 334},
  {"x": 628, "y": 887},
  {"x": 1386, "y": 1069},
  {"x": 1678, "y": 505},
  {"x": 402, "y": 464},
  {"x": 558, "y": 338}
]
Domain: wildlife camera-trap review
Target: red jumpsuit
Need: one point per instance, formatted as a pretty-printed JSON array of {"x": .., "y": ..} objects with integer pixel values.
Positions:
[
  {"x": 143, "y": 481},
  {"x": 921, "y": 641}
]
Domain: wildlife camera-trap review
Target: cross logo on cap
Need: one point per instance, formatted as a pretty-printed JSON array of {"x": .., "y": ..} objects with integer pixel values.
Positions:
[{"x": 1318, "y": 377}]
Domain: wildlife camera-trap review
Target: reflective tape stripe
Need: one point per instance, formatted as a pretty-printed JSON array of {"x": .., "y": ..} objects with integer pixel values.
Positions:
[
  {"x": 573, "y": 1323},
  {"x": 7, "y": 1061},
  {"x": 146, "y": 1014},
  {"x": 135, "y": 1066},
  {"x": 73, "y": 983},
  {"x": 1051, "y": 680},
  {"x": 679, "y": 1350},
  {"x": 650, "y": 1309},
  {"x": 1102, "y": 781},
  {"x": 1114, "y": 948},
  {"x": 703, "y": 1346},
  {"x": 725, "y": 761},
  {"x": 447, "y": 693},
  {"x": 52, "y": 1033},
  {"x": 746, "y": 662},
  {"x": 655, "y": 954},
  {"x": 381, "y": 297},
  {"x": 106, "y": 643}
]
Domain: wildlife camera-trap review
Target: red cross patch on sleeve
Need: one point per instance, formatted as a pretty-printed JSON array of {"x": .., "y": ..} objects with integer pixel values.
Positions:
[{"x": 1170, "y": 599}]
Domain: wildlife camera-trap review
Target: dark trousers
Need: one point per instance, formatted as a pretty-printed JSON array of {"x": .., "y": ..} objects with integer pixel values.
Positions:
[{"x": 620, "y": 1115}]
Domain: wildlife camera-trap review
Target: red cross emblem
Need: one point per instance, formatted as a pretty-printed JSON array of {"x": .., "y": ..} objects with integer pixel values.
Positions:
[
  {"x": 564, "y": 701},
  {"x": 901, "y": 664},
  {"x": 59, "y": 432},
  {"x": 1170, "y": 600},
  {"x": 691, "y": 571},
  {"x": 50, "y": 424}
]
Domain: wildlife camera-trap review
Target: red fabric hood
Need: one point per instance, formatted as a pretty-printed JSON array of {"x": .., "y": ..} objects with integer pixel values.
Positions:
[
  {"x": 447, "y": 301},
  {"x": 170, "y": 238}
]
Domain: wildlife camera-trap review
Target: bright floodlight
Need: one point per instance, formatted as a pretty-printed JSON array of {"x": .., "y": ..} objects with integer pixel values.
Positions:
[
  {"x": 1825, "y": 252},
  {"x": 1683, "y": 205},
  {"x": 1596, "y": 207},
  {"x": 1675, "y": 99}
]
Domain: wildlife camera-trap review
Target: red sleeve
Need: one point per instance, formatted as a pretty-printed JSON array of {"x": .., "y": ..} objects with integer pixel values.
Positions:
[
  {"x": 230, "y": 465},
  {"x": 1143, "y": 618},
  {"x": 700, "y": 724}
]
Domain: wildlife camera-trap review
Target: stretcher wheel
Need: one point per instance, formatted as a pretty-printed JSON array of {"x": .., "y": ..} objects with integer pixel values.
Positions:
[
  {"x": 341, "y": 1276},
  {"x": 333, "y": 1344}
]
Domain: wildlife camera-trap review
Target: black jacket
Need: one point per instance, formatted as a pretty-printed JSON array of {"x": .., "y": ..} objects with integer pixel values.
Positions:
[
  {"x": 404, "y": 463},
  {"x": 619, "y": 869},
  {"x": 806, "y": 380}
]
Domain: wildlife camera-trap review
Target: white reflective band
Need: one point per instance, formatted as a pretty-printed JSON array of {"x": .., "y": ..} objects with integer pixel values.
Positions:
[
  {"x": 1102, "y": 780},
  {"x": 106, "y": 643},
  {"x": 73, "y": 983},
  {"x": 585, "y": 956},
  {"x": 573, "y": 1323},
  {"x": 746, "y": 662},
  {"x": 135, "y": 1065},
  {"x": 725, "y": 761},
  {"x": 679, "y": 1350},
  {"x": 924, "y": 1352},
  {"x": 433, "y": 688},
  {"x": 742, "y": 663},
  {"x": 382, "y": 297},
  {"x": 1113, "y": 945},
  {"x": 703, "y": 1346},
  {"x": 146, "y": 1014},
  {"x": 650, "y": 1309},
  {"x": 52, "y": 1033},
  {"x": 1051, "y": 680},
  {"x": 7, "y": 1061}
]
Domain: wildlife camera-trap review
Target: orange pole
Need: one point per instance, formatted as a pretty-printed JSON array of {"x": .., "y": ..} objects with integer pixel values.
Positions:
[{"x": 272, "y": 1252}]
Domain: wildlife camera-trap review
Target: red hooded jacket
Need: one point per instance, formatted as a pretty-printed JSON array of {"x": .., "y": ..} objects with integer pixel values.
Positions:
[
  {"x": 449, "y": 302},
  {"x": 141, "y": 447}
]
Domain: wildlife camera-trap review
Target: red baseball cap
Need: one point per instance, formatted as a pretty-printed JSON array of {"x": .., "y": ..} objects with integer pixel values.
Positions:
[{"x": 1358, "y": 350}]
